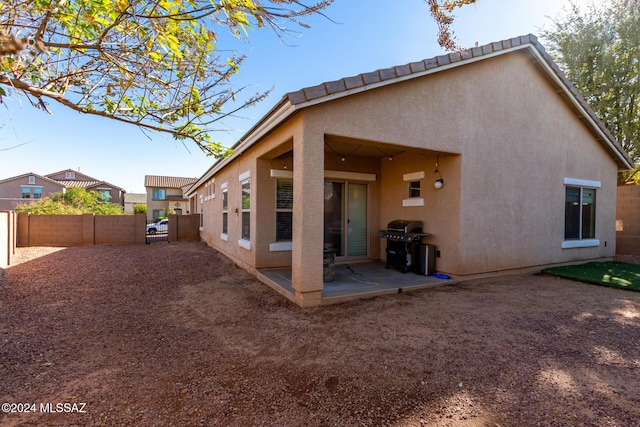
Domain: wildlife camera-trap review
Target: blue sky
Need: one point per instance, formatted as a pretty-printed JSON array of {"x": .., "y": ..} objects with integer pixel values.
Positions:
[{"x": 362, "y": 38}]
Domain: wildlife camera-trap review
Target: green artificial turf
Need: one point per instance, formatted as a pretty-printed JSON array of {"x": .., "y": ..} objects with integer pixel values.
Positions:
[{"x": 613, "y": 274}]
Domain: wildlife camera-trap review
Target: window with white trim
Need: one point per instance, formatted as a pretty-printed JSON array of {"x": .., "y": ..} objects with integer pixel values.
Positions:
[
  {"x": 37, "y": 192},
  {"x": 246, "y": 209},
  {"x": 201, "y": 217},
  {"x": 26, "y": 192},
  {"x": 579, "y": 213},
  {"x": 414, "y": 189},
  {"x": 159, "y": 194},
  {"x": 32, "y": 179},
  {"x": 284, "y": 210},
  {"x": 225, "y": 211}
]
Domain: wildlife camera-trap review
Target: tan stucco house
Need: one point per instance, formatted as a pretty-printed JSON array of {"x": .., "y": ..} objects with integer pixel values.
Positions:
[
  {"x": 528, "y": 171},
  {"x": 165, "y": 193}
]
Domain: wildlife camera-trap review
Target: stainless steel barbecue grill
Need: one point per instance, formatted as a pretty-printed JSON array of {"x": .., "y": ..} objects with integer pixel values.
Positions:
[
  {"x": 404, "y": 231},
  {"x": 402, "y": 235}
]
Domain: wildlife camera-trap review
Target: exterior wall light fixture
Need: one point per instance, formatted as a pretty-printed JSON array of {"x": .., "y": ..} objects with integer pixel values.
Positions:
[{"x": 439, "y": 182}]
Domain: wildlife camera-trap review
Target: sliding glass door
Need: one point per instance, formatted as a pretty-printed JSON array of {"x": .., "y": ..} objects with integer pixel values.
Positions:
[{"x": 345, "y": 218}]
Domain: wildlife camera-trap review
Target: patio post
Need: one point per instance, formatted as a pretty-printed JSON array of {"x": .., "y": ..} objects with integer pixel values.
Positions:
[{"x": 308, "y": 217}]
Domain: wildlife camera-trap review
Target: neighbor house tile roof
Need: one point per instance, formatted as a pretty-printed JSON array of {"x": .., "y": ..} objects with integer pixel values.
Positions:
[
  {"x": 67, "y": 183},
  {"x": 156, "y": 181},
  {"x": 78, "y": 183},
  {"x": 40, "y": 177},
  {"x": 78, "y": 175},
  {"x": 81, "y": 180}
]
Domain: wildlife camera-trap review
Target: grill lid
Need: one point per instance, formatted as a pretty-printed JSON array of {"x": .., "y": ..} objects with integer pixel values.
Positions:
[{"x": 405, "y": 226}]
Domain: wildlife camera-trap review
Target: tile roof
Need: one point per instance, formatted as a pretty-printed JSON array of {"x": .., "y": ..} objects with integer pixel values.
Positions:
[
  {"x": 293, "y": 101},
  {"x": 81, "y": 180},
  {"x": 409, "y": 70},
  {"x": 78, "y": 175},
  {"x": 167, "y": 181},
  {"x": 41, "y": 177},
  {"x": 346, "y": 86},
  {"x": 78, "y": 183}
]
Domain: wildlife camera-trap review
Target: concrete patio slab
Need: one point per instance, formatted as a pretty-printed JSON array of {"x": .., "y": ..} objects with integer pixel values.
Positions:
[{"x": 355, "y": 281}]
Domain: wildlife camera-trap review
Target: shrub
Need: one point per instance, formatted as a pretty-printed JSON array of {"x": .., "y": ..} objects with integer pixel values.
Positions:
[
  {"x": 74, "y": 201},
  {"x": 140, "y": 208}
]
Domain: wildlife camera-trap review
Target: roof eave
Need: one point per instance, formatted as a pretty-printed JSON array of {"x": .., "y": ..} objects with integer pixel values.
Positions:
[
  {"x": 308, "y": 97},
  {"x": 276, "y": 116},
  {"x": 602, "y": 134}
]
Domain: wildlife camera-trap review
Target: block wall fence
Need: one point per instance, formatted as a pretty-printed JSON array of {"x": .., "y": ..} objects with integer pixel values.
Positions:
[
  {"x": 8, "y": 231},
  {"x": 628, "y": 220},
  {"x": 90, "y": 229}
]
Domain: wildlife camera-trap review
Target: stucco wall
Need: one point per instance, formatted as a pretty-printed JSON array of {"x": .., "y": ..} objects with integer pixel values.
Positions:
[
  {"x": 520, "y": 144},
  {"x": 253, "y": 163},
  {"x": 505, "y": 141},
  {"x": 502, "y": 206}
]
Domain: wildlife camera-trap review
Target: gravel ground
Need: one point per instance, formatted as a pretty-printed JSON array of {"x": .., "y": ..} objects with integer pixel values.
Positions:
[{"x": 175, "y": 334}]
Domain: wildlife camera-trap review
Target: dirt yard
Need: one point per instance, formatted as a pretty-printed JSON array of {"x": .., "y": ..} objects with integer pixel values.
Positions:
[{"x": 175, "y": 334}]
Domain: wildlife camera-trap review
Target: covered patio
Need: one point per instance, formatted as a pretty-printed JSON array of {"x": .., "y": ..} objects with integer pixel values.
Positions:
[{"x": 356, "y": 280}]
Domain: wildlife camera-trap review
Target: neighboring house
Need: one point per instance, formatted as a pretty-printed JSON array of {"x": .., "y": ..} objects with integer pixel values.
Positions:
[
  {"x": 133, "y": 199},
  {"x": 31, "y": 186},
  {"x": 108, "y": 192},
  {"x": 26, "y": 188},
  {"x": 166, "y": 192},
  {"x": 528, "y": 170}
]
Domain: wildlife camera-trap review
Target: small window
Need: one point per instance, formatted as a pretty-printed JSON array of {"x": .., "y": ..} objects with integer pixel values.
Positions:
[
  {"x": 414, "y": 189},
  {"x": 70, "y": 175},
  {"x": 157, "y": 213},
  {"x": 225, "y": 211},
  {"x": 32, "y": 179},
  {"x": 246, "y": 209},
  {"x": 159, "y": 194},
  {"x": 26, "y": 192}
]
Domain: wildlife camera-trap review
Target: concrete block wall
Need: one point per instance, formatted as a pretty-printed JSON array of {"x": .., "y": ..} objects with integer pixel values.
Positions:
[
  {"x": 80, "y": 230},
  {"x": 184, "y": 228},
  {"x": 57, "y": 230},
  {"x": 628, "y": 220},
  {"x": 7, "y": 238},
  {"x": 119, "y": 229}
]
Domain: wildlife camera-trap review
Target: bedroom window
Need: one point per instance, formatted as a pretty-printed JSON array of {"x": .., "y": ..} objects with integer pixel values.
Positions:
[
  {"x": 580, "y": 213},
  {"x": 284, "y": 210}
]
